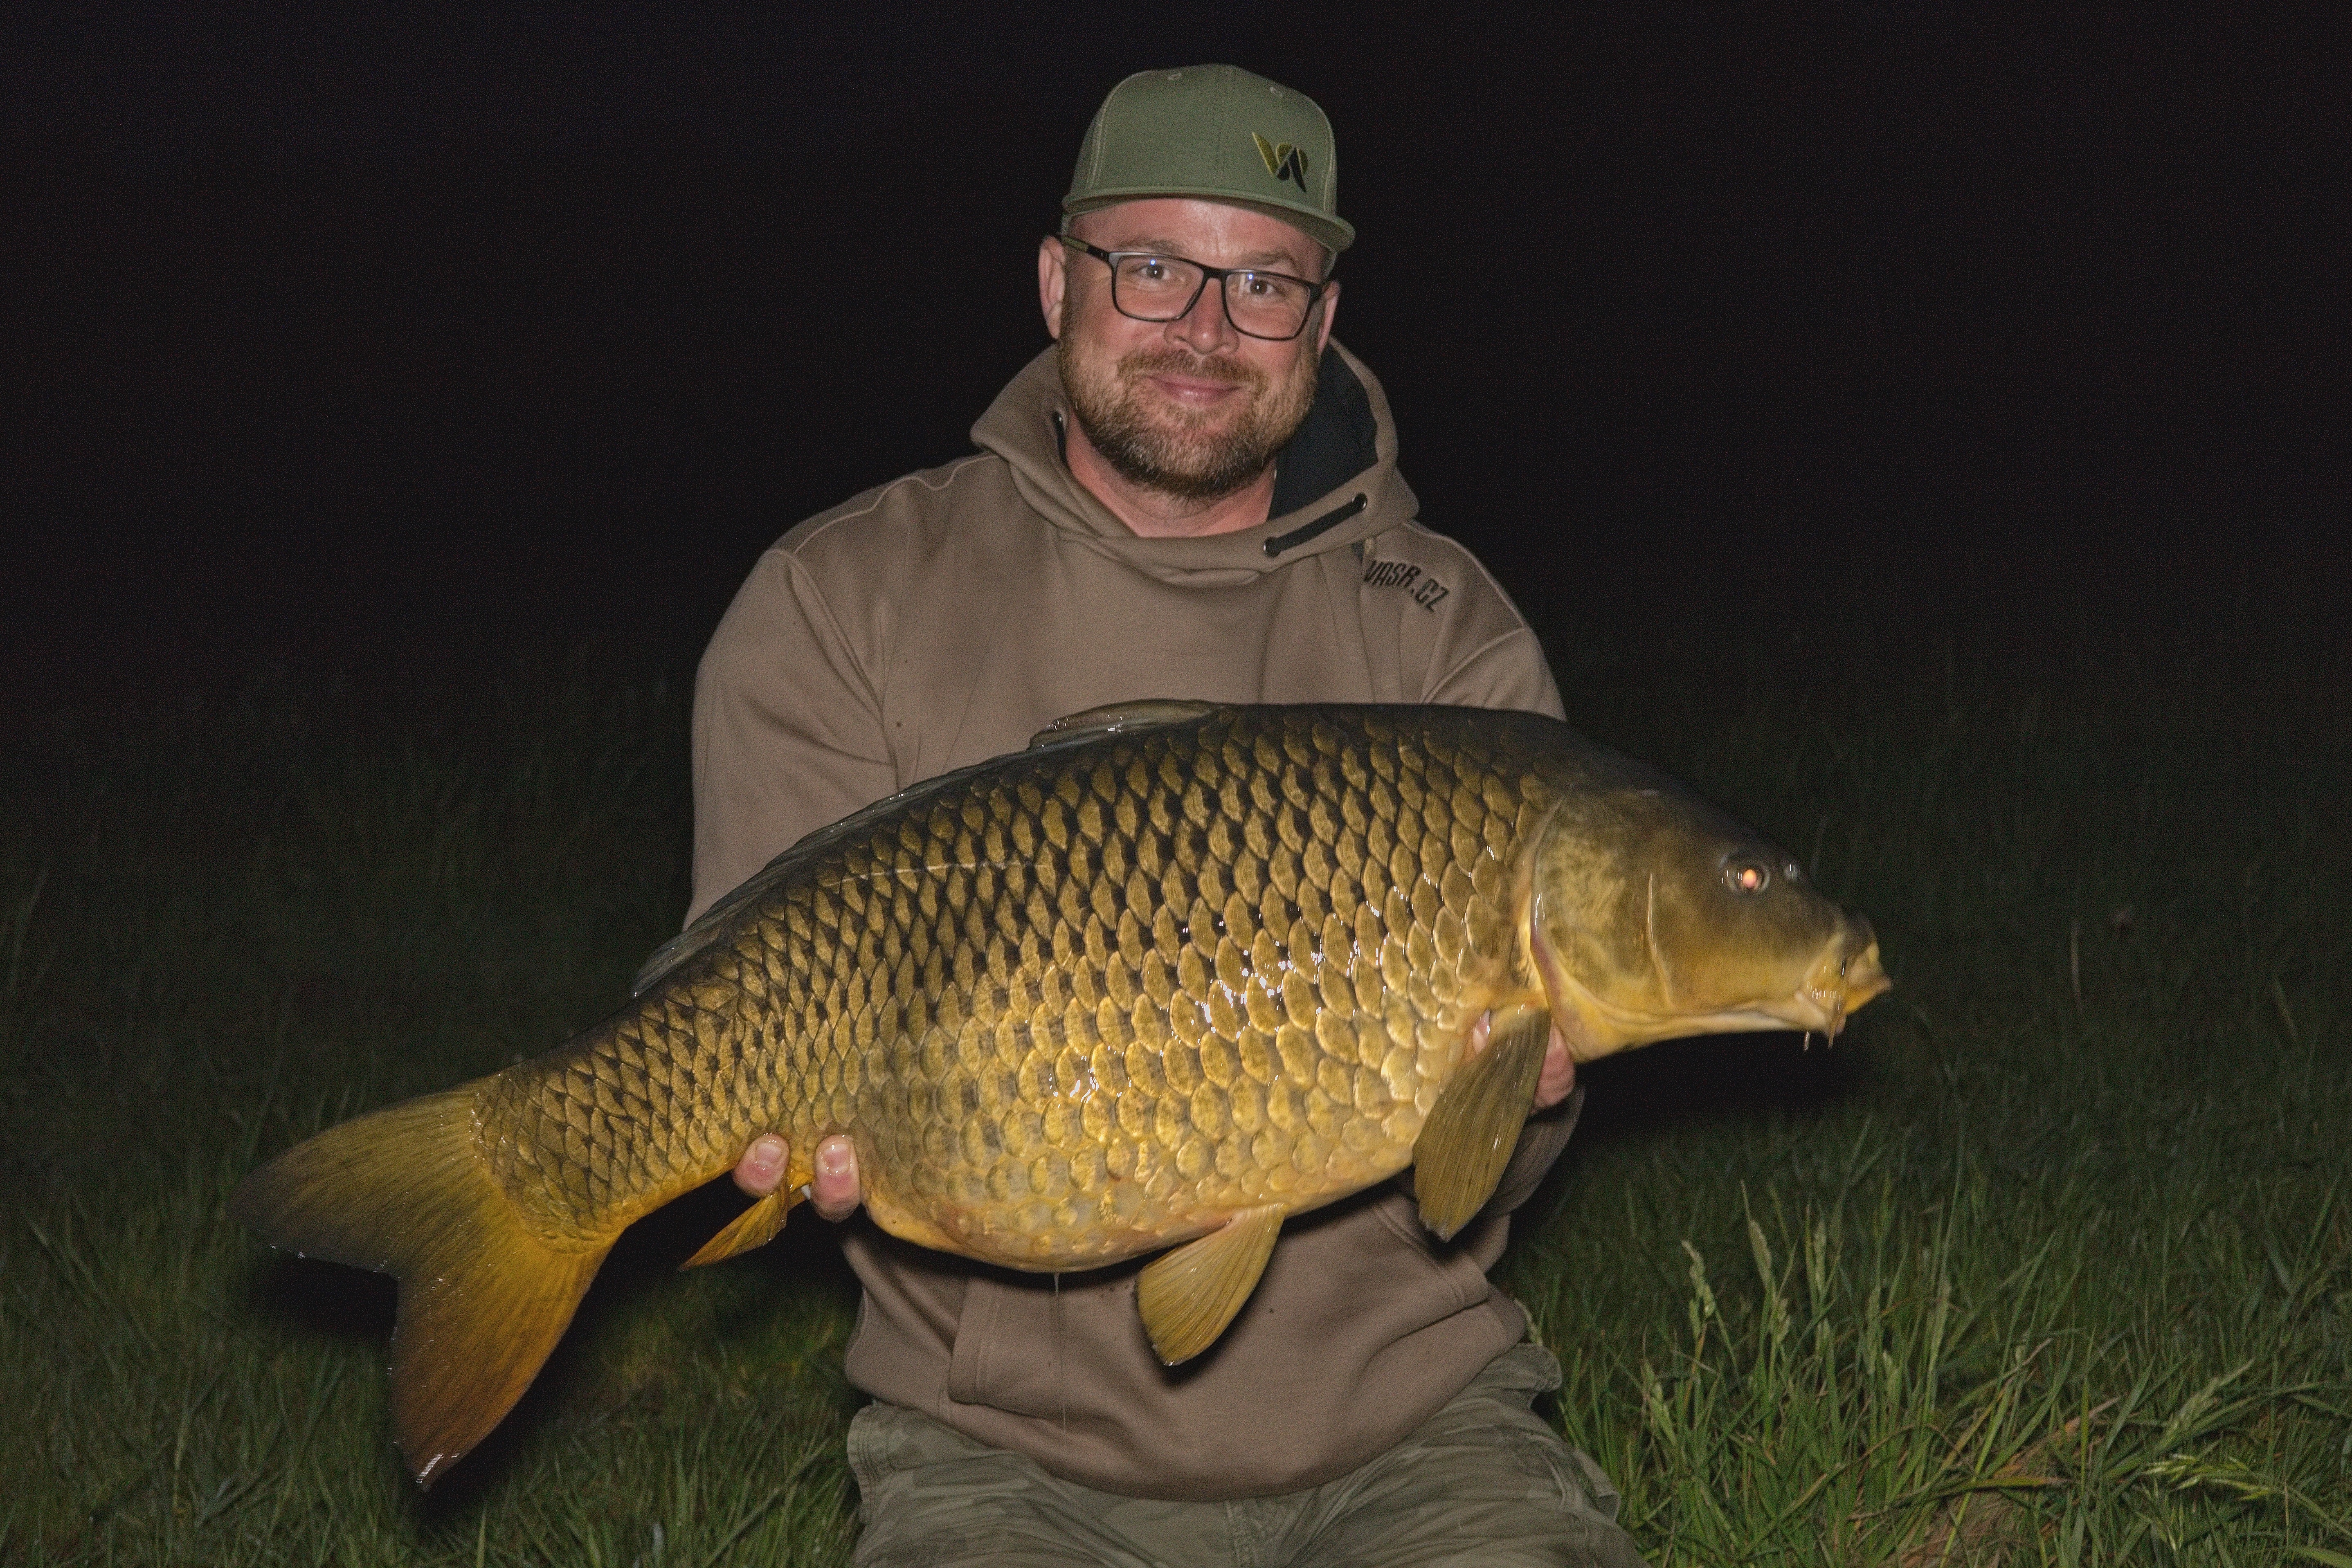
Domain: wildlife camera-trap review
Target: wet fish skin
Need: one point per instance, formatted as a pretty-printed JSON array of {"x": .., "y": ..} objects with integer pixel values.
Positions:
[
  {"x": 1081, "y": 1006},
  {"x": 1139, "y": 985}
]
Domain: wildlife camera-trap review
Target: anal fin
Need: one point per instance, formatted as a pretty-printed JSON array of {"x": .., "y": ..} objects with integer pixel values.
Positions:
[
  {"x": 755, "y": 1227},
  {"x": 1188, "y": 1296},
  {"x": 1467, "y": 1141}
]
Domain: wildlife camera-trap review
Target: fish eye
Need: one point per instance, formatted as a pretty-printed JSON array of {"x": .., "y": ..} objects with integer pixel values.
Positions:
[{"x": 1748, "y": 876}]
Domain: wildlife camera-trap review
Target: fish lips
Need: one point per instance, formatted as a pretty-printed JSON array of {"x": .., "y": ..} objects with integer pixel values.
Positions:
[{"x": 1846, "y": 975}]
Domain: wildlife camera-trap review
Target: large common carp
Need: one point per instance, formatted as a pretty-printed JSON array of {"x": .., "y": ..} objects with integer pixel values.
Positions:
[{"x": 1170, "y": 975}]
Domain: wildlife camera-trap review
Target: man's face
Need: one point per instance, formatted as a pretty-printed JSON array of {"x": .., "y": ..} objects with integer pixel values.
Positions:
[{"x": 1189, "y": 408}]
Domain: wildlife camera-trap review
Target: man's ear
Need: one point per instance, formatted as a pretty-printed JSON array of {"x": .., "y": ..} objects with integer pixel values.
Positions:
[
  {"x": 1330, "y": 303},
  {"x": 1053, "y": 279}
]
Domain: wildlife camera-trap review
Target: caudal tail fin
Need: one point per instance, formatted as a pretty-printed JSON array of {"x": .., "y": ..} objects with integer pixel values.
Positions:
[{"x": 482, "y": 1301}]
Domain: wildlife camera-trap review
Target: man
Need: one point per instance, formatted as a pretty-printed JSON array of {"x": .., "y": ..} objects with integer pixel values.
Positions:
[{"x": 1195, "y": 494}]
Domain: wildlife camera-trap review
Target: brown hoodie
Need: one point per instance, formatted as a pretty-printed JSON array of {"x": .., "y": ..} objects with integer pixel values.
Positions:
[{"x": 944, "y": 619}]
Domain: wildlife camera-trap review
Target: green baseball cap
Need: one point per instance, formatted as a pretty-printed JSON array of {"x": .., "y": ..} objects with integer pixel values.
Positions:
[{"x": 1220, "y": 133}]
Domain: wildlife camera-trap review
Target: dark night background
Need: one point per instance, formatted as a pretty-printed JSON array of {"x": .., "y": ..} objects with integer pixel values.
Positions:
[{"x": 402, "y": 342}]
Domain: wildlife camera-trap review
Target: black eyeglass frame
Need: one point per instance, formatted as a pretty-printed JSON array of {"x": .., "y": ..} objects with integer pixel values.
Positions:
[{"x": 1217, "y": 274}]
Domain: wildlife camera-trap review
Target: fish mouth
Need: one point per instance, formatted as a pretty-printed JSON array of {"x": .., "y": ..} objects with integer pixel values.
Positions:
[{"x": 1846, "y": 975}]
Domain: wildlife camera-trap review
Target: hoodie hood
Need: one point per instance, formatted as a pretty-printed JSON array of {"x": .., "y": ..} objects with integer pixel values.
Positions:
[{"x": 1336, "y": 482}]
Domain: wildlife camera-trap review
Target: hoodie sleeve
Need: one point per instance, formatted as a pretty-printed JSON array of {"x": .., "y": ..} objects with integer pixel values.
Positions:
[
  {"x": 1486, "y": 655},
  {"x": 1507, "y": 671},
  {"x": 788, "y": 734},
  {"x": 1541, "y": 1143}
]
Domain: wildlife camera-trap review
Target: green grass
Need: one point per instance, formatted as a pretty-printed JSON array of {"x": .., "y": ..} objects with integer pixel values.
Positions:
[{"x": 2049, "y": 1260}]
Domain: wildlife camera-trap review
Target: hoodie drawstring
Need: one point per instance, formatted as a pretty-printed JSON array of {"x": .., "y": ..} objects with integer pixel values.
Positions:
[{"x": 1330, "y": 519}]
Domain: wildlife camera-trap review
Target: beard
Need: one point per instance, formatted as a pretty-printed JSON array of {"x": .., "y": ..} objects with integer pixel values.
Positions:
[{"x": 1189, "y": 454}]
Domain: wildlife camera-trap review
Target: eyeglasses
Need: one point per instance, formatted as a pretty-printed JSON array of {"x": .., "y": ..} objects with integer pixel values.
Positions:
[{"x": 1147, "y": 288}]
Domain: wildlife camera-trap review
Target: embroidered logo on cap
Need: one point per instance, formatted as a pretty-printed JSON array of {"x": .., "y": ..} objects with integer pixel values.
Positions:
[{"x": 1282, "y": 161}]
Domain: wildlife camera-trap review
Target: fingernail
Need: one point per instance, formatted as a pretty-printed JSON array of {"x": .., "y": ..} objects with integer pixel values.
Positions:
[{"x": 833, "y": 1160}]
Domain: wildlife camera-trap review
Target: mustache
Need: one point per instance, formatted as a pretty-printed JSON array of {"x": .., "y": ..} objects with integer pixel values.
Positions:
[{"x": 1176, "y": 362}]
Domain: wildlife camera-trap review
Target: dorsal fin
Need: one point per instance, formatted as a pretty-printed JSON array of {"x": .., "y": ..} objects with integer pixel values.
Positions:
[
  {"x": 1076, "y": 730},
  {"x": 1121, "y": 718},
  {"x": 675, "y": 952}
]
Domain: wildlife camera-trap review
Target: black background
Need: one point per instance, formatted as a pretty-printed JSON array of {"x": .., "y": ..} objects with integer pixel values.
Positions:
[{"x": 403, "y": 339}]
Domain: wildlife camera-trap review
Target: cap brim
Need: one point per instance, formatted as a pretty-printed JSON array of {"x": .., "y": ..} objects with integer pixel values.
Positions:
[{"x": 1335, "y": 233}]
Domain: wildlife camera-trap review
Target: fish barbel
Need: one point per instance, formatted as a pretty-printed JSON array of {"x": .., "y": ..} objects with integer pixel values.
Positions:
[{"x": 1172, "y": 973}]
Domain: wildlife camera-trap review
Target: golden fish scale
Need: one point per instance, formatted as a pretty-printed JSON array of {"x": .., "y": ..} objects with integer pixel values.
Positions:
[{"x": 1086, "y": 1003}]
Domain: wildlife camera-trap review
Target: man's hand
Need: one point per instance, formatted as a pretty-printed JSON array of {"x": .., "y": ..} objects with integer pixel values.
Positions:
[
  {"x": 1559, "y": 1075},
  {"x": 834, "y": 1193}
]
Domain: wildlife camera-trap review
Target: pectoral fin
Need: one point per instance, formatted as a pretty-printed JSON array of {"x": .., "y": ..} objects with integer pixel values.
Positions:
[
  {"x": 755, "y": 1227},
  {"x": 1188, "y": 1296},
  {"x": 1474, "y": 1126}
]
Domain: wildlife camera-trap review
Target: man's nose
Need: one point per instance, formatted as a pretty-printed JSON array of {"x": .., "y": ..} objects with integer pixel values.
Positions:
[{"x": 1205, "y": 327}]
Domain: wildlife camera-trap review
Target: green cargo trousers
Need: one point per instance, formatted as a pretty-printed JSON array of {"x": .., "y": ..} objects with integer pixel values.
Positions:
[{"x": 1484, "y": 1483}]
